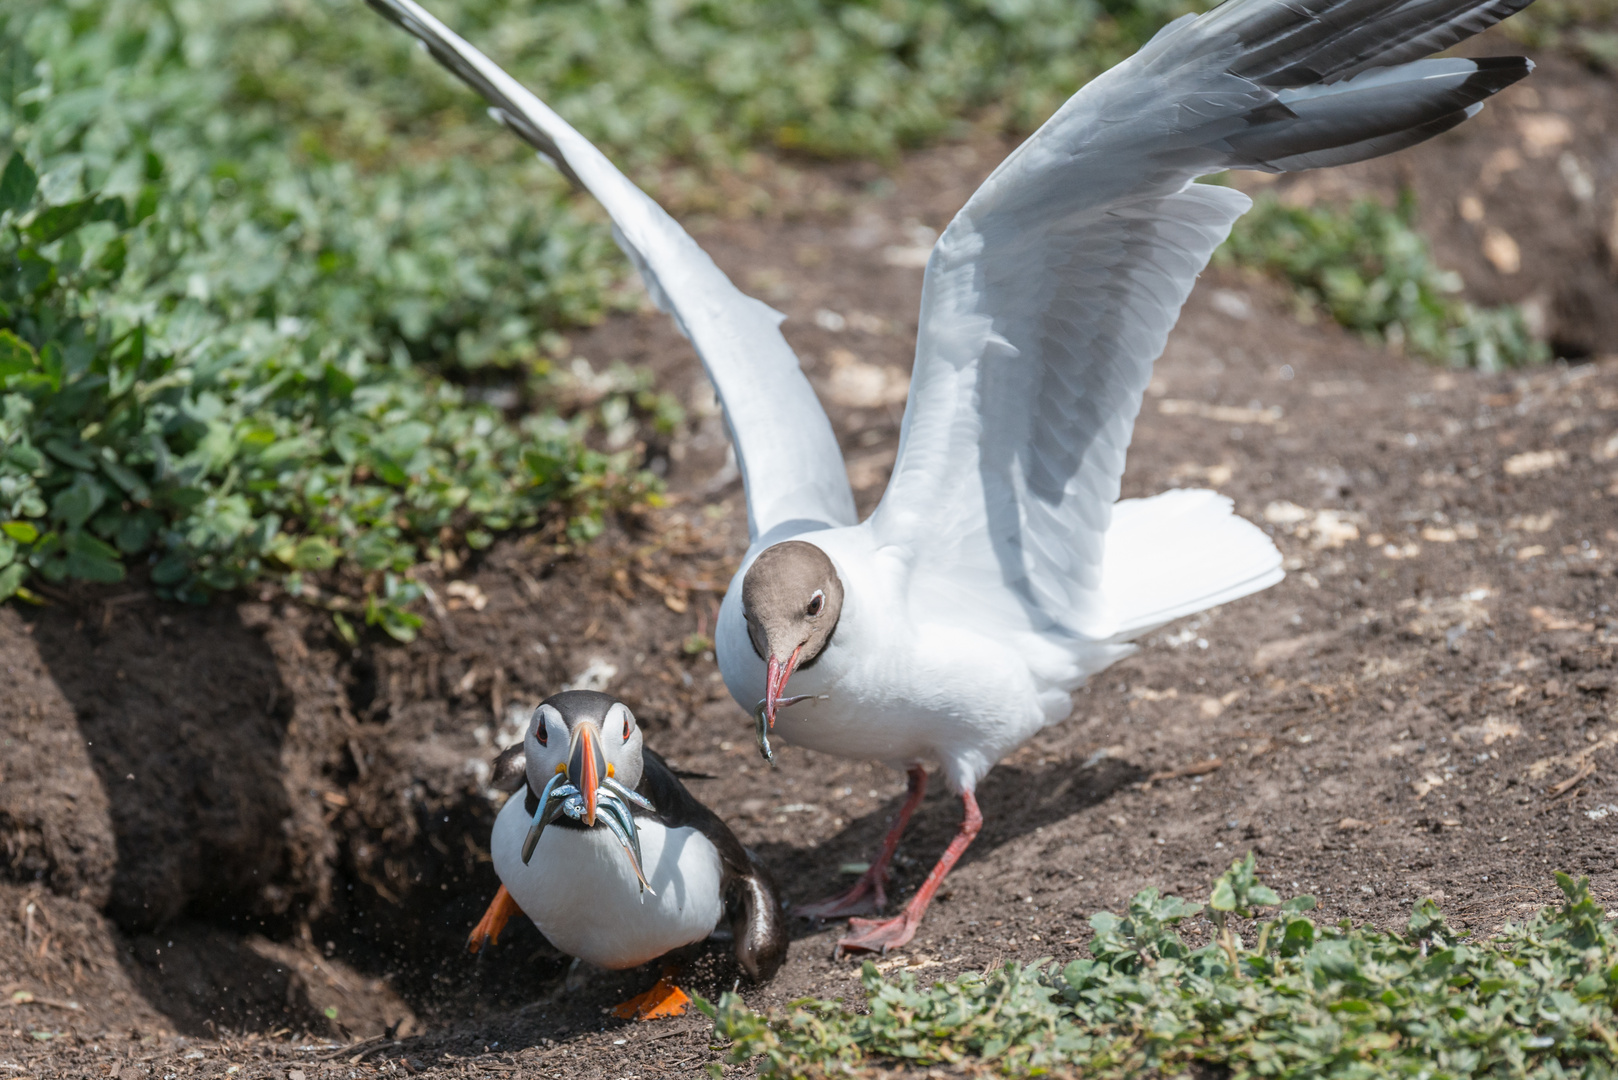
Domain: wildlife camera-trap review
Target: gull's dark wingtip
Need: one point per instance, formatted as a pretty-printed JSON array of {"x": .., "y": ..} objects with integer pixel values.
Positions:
[{"x": 1495, "y": 73}]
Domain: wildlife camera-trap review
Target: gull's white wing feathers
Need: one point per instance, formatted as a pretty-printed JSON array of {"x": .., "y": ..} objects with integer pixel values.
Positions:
[
  {"x": 1052, "y": 292},
  {"x": 785, "y": 448}
]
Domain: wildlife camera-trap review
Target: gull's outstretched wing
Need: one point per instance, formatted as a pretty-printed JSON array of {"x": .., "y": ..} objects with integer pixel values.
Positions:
[
  {"x": 1053, "y": 290},
  {"x": 785, "y": 448}
]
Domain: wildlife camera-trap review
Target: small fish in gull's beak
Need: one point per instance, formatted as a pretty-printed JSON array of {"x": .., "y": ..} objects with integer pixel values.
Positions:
[
  {"x": 791, "y": 601},
  {"x": 776, "y": 676}
]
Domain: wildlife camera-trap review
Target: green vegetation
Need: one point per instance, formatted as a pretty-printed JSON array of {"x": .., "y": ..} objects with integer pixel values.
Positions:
[
  {"x": 704, "y": 80},
  {"x": 222, "y": 351},
  {"x": 1584, "y": 28},
  {"x": 1536, "y": 1000},
  {"x": 249, "y": 249},
  {"x": 257, "y": 259},
  {"x": 1373, "y": 273}
]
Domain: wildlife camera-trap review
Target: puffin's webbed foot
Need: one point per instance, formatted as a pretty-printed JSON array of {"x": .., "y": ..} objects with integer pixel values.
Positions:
[
  {"x": 880, "y": 935},
  {"x": 661, "y": 1001},
  {"x": 494, "y": 920}
]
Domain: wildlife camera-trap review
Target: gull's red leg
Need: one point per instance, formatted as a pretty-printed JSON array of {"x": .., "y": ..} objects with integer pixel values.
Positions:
[
  {"x": 870, "y": 891},
  {"x": 880, "y": 935}
]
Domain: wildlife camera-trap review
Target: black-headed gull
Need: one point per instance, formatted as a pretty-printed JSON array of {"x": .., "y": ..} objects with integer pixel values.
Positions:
[
  {"x": 613, "y": 859},
  {"x": 1000, "y": 570}
]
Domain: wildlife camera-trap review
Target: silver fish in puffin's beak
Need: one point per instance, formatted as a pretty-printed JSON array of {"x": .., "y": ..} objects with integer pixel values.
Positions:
[{"x": 586, "y": 791}]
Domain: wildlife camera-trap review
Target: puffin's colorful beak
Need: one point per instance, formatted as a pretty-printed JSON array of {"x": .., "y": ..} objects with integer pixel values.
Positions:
[
  {"x": 775, "y": 681},
  {"x": 586, "y": 765}
]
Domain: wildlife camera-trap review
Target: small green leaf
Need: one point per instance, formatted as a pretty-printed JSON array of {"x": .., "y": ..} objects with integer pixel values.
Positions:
[
  {"x": 91, "y": 559},
  {"x": 70, "y": 453},
  {"x": 17, "y": 186},
  {"x": 16, "y": 355},
  {"x": 314, "y": 553},
  {"x": 57, "y": 221},
  {"x": 77, "y": 503},
  {"x": 21, "y": 531},
  {"x": 171, "y": 569},
  {"x": 345, "y": 629}
]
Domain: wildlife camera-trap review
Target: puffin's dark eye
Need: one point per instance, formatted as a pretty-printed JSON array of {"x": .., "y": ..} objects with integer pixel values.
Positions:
[
  {"x": 626, "y": 728},
  {"x": 817, "y": 602},
  {"x": 542, "y": 723}
]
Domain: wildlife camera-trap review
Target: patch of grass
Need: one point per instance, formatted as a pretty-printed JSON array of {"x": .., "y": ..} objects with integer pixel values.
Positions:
[
  {"x": 704, "y": 80},
  {"x": 1584, "y": 28},
  {"x": 1535, "y": 1000},
  {"x": 249, "y": 252},
  {"x": 1369, "y": 268},
  {"x": 218, "y": 348},
  {"x": 242, "y": 244}
]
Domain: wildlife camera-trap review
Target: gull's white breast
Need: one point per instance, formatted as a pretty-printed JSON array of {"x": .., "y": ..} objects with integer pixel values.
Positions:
[
  {"x": 895, "y": 687},
  {"x": 582, "y": 894}
]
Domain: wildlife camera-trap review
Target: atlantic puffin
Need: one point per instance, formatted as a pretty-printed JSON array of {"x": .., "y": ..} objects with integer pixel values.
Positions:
[{"x": 615, "y": 861}]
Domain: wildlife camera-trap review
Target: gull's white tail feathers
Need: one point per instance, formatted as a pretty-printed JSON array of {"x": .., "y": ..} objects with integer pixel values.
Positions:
[{"x": 1179, "y": 553}]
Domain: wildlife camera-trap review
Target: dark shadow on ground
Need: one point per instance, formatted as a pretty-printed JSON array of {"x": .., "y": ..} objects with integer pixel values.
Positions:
[{"x": 1014, "y": 800}]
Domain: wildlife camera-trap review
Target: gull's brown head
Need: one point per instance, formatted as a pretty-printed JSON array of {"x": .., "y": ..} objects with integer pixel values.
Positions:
[{"x": 791, "y": 598}]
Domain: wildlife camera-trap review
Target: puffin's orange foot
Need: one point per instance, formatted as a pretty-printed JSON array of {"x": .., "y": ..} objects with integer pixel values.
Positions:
[
  {"x": 867, "y": 897},
  {"x": 879, "y": 935},
  {"x": 661, "y": 1001},
  {"x": 487, "y": 931}
]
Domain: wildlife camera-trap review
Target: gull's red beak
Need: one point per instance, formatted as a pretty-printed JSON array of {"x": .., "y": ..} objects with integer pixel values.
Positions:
[
  {"x": 586, "y": 765},
  {"x": 775, "y": 681}
]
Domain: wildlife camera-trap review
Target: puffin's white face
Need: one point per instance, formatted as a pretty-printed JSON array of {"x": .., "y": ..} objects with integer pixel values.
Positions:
[
  {"x": 553, "y": 736},
  {"x": 583, "y": 754}
]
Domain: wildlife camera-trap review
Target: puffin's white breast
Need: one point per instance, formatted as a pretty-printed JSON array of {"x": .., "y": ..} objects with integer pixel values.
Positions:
[{"x": 582, "y": 894}]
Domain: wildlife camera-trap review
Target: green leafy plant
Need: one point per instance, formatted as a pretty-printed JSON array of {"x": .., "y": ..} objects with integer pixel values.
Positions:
[
  {"x": 1584, "y": 28},
  {"x": 220, "y": 357},
  {"x": 261, "y": 264},
  {"x": 704, "y": 81},
  {"x": 1369, "y": 268},
  {"x": 1536, "y": 1000}
]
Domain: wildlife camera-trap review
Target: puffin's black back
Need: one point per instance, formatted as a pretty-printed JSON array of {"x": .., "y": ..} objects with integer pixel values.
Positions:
[{"x": 752, "y": 899}]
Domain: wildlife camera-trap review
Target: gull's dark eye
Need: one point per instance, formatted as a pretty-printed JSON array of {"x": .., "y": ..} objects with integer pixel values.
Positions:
[{"x": 817, "y": 603}]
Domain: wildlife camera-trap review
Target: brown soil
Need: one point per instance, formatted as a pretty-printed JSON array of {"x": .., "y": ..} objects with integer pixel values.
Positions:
[{"x": 230, "y": 840}]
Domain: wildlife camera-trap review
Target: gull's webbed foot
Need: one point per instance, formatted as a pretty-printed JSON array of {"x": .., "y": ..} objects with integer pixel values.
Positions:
[
  {"x": 879, "y": 935},
  {"x": 867, "y": 897}
]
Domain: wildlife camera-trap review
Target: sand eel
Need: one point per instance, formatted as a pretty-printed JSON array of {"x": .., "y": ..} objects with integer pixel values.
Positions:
[
  {"x": 1000, "y": 569},
  {"x": 603, "y": 847}
]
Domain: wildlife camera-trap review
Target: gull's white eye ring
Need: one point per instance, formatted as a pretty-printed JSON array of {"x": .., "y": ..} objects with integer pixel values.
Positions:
[{"x": 817, "y": 603}]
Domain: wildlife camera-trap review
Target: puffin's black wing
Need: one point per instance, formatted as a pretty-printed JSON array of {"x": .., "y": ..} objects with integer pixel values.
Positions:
[
  {"x": 751, "y": 897},
  {"x": 510, "y": 770}
]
